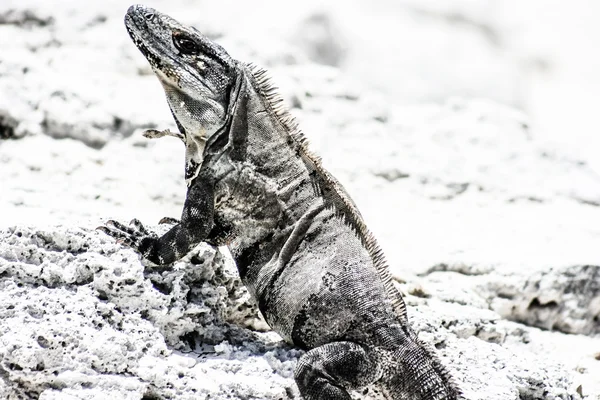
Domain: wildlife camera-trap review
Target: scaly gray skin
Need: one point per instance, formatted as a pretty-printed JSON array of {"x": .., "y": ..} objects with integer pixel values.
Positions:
[{"x": 300, "y": 244}]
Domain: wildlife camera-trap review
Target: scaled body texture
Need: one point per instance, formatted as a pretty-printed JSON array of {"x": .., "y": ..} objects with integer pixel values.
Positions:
[{"x": 299, "y": 243}]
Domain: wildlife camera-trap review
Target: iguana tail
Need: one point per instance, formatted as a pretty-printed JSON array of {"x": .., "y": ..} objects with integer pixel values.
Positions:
[{"x": 418, "y": 375}]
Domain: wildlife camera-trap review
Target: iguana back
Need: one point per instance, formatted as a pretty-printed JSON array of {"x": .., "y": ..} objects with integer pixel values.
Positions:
[{"x": 300, "y": 245}]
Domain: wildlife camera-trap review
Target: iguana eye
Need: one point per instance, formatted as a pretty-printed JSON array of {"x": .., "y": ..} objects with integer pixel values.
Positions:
[{"x": 185, "y": 44}]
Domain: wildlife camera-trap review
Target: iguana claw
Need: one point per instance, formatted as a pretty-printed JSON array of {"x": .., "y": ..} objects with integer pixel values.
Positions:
[
  {"x": 168, "y": 220},
  {"x": 130, "y": 236},
  {"x": 155, "y": 134}
]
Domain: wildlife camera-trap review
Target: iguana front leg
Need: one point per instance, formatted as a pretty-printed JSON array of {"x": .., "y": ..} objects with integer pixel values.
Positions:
[{"x": 197, "y": 221}]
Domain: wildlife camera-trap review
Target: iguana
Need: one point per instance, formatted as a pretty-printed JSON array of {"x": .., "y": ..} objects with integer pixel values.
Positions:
[{"x": 300, "y": 244}]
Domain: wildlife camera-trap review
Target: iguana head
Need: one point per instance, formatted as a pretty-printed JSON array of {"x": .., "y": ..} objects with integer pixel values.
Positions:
[{"x": 197, "y": 75}]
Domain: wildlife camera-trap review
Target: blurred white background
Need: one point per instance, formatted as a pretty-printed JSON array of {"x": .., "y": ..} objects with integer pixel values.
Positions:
[{"x": 540, "y": 56}]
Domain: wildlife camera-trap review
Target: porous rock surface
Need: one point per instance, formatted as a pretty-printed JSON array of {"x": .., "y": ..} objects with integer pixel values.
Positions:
[
  {"x": 491, "y": 233},
  {"x": 81, "y": 317}
]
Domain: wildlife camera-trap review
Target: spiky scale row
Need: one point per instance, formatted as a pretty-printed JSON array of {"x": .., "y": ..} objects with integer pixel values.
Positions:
[{"x": 281, "y": 112}]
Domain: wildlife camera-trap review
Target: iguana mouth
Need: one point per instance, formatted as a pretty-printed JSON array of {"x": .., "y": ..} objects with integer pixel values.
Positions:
[{"x": 152, "y": 58}]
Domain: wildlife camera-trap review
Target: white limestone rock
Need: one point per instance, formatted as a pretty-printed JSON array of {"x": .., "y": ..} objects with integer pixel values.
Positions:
[{"x": 82, "y": 317}]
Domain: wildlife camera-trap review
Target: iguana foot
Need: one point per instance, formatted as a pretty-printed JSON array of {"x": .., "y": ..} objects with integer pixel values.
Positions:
[
  {"x": 328, "y": 371},
  {"x": 155, "y": 134},
  {"x": 135, "y": 235},
  {"x": 168, "y": 220}
]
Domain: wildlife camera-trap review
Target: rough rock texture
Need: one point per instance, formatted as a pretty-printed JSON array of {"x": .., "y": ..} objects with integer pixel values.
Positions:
[
  {"x": 81, "y": 317},
  {"x": 492, "y": 233}
]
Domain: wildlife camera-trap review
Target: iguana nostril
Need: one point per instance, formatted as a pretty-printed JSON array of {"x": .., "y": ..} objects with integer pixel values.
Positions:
[{"x": 149, "y": 16}]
